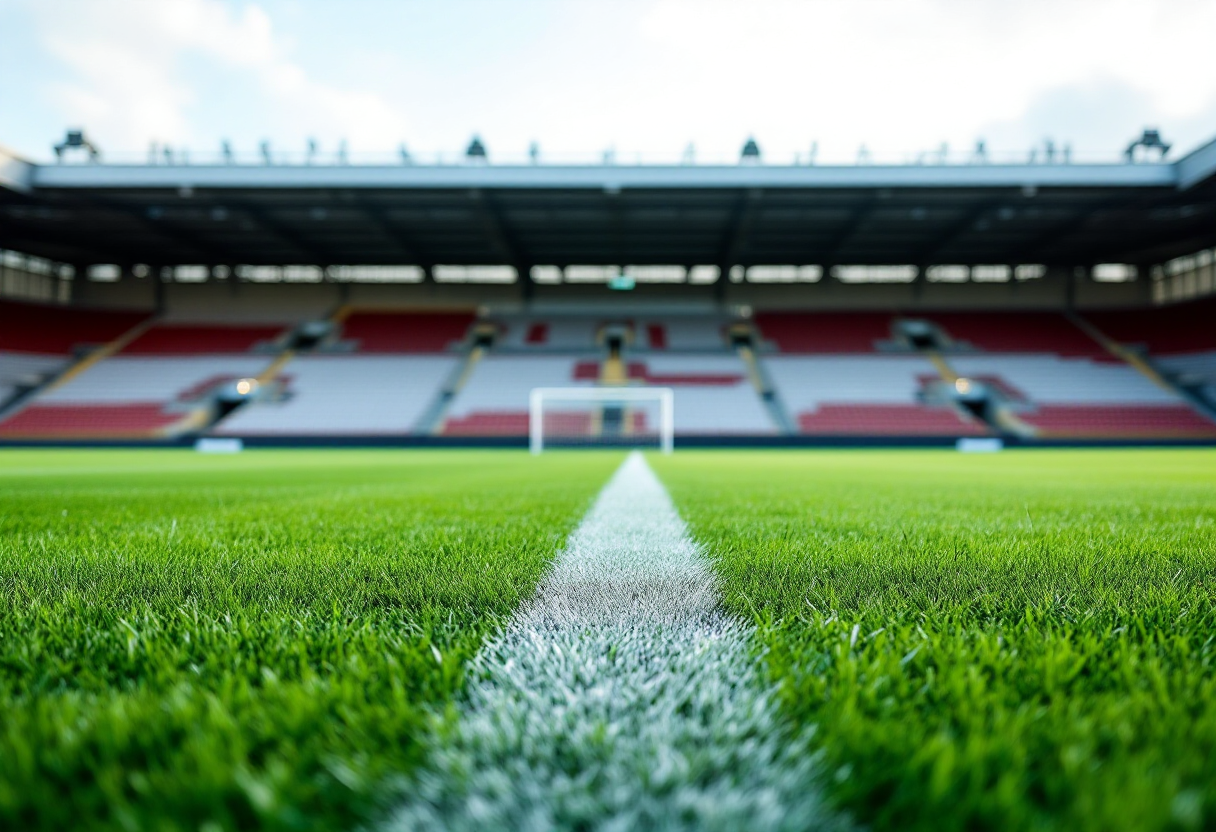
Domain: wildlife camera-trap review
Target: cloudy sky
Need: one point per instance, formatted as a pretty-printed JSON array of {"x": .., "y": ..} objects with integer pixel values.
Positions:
[{"x": 579, "y": 76}]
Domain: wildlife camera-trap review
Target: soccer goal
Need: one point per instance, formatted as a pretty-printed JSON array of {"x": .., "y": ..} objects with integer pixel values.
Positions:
[{"x": 601, "y": 416}]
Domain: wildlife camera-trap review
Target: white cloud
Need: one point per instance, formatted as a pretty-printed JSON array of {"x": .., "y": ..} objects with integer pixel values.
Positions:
[
  {"x": 910, "y": 74},
  {"x": 129, "y": 82},
  {"x": 901, "y": 76}
]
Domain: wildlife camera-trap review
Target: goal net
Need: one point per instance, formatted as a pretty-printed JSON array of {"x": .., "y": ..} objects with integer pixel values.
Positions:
[{"x": 632, "y": 417}]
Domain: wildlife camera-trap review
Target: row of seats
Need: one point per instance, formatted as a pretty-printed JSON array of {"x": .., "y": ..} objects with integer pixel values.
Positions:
[
  {"x": 712, "y": 394},
  {"x": 829, "y": 375},
  {"x": 864, "y": 395},
  {"x": 127, "y": 396},
  {"x": 566, "y": 333},
  {"x": 868, "y": 332}
]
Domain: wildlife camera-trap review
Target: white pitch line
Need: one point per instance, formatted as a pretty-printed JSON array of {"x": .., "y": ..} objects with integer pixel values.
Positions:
[{"x": 620, "y": 698}]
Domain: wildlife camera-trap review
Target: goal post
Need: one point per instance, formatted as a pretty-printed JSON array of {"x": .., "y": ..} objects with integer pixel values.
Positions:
[{"x": 601, "y": 416}]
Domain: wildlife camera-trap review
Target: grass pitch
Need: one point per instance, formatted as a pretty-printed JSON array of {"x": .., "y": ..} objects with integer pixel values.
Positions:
[
  {"x": 1020, "y": 641},
  {"x": 1025, "y": 641},
  {"x": 196, "y": 642}
]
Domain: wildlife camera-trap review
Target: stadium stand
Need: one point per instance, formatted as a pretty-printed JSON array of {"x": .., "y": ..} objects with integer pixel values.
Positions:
[
  {"x": 567, "y": 333},
  {"x": 819, "y": 332},
  {"x": 864, "y": 395},
  {"x": 1081, "y": 397},
  {"x": 406, "y": 332},
  {"x": 39, "y": 342},
  {"x": 399, "y": 373},
  {"x": 1184, "y": 328},
  {"x": 686, "y": 333},
  {"x": 188, "y": 339},
  {"x": 20, "y": 372},
  {"x": 494, "y": 400},
  {"x": 128, "y": 396},
  {"x": 1017, "y": 332},
  {"x": 547, "y": 334},
  {"x": 59, "y": 330},
  {"x": 337, "y": 395},
  {"x": 712, "y": 393}
]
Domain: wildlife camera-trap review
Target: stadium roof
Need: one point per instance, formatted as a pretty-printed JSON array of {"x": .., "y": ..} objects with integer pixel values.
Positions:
[{"x": 525, "y": 215}]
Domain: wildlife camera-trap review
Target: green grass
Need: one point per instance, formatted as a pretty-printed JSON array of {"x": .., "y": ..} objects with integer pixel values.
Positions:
[
  {"x": 213, "y": 643},
  {"x": 1024, "y": 641}
]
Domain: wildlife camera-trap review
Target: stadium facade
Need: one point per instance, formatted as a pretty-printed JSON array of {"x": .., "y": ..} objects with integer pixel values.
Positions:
[{"x": 783, "y": 303}]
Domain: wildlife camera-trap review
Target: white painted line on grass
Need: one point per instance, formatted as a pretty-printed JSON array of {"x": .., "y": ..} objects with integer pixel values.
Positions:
[{"x": 620, "y": 698}]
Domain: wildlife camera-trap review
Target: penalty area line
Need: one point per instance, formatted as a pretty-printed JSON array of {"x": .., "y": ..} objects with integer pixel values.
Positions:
[{"x": 621, "y": 696}]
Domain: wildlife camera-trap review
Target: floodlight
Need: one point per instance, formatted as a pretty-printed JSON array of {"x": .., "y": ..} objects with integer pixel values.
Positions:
[
  {"x": 750, "y": 152},
  {"x": 1150, "y": 139},
  {"x": 476, "y": 151},
  {"x": 76, "y": 140}
]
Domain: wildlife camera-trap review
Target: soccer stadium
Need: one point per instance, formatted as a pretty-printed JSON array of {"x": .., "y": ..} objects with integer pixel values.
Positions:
[{"x": 481, "y": 492}]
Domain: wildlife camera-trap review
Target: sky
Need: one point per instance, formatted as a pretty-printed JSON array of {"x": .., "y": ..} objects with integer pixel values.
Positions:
[{"x": 646, "y": 78}]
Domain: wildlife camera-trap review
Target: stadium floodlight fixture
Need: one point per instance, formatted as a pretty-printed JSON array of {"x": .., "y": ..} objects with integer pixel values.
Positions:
[
  {"x": 1150, "y": 139},
  {"x": 76, "y": 140},
  {"x": 750, "y": 152},
  {"x": 476, "y": 151}
]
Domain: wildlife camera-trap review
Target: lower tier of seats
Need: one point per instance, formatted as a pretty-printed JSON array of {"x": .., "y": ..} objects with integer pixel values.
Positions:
[
  {"x": 1119, "y": 422},
  {"x": 888, "y": 420},
  {"x": 92, "y": 421}
]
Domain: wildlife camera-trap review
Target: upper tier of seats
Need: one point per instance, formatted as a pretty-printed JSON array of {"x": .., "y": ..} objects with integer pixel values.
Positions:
[
  {"x": 571, "y": 333},
  {"x": 1018, "y": 332},
  {"x": 195, "y": 339},
  {"x": 824, "y": 332},
  {"x": 1182, "y": 328},
  {"x": 148, "y": 380},
  {"x": 57, "y": 330},
  {"x": 406, "y": 332}
]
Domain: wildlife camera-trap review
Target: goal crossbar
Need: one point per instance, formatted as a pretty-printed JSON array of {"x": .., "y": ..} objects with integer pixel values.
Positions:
[{"x": 663, "y": 395}]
